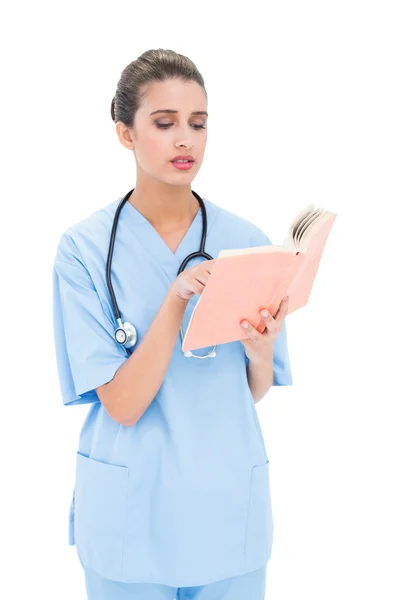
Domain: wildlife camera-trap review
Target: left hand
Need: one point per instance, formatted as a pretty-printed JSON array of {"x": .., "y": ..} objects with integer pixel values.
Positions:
[{"x": 259, "y": 346}]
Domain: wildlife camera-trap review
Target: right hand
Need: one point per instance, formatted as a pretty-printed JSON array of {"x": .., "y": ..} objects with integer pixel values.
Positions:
[{"x": 192, "y": 280}]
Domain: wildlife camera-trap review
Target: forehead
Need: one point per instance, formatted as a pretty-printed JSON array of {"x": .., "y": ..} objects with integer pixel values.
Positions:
[{"x": 175, "y": 94}]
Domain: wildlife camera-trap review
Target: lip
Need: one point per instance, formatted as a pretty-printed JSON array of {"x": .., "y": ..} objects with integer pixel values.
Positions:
[
  {"x": 183, "y": 157},
  {"x": 182, "y": 166}
]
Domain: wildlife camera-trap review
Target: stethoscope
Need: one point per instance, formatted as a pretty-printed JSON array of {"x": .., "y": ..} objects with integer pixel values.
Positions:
[{"x": 126, "y": 334}]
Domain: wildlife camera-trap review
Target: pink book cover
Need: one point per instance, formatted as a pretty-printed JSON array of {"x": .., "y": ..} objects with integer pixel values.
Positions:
[{"x": 245, "y": 280}]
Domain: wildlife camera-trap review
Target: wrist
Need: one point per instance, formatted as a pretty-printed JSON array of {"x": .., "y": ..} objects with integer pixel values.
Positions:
[
  {"x": 267, "y": 358},
  {"x": 174, "y": 300}
]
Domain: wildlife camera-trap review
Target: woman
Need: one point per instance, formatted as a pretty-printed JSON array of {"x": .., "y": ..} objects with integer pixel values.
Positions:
[{"x": 172, "y": 477}]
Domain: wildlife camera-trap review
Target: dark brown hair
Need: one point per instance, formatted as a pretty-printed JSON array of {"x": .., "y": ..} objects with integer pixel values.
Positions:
[{"x": 152, "y": 65}]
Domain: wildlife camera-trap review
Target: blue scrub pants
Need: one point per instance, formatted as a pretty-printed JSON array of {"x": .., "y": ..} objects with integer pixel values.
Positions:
[{"x": 250, "y": 586}]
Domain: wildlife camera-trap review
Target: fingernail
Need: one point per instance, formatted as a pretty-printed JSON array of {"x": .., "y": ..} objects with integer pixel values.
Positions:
[
  {"x": 264, "y": 313},
  {"x": 245, "y": 324}
]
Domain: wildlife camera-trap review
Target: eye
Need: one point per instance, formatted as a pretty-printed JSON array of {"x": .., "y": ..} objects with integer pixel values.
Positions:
[{"x": 166, "y": 125}]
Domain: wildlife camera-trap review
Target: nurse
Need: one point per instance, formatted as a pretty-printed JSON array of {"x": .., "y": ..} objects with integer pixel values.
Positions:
[{"x": 172, "y": 495}]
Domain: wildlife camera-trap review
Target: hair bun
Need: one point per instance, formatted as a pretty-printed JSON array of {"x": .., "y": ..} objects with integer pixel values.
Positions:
[{"x": 113, "y": 109}]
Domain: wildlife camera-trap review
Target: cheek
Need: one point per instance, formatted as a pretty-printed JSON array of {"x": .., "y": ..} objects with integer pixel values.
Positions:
[
  {"x": 152, "y": 151},
  {"x": 201, "y": 144}
]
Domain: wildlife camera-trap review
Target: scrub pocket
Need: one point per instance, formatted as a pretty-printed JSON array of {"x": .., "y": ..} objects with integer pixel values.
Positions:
[
  {"x": 259, "y": 529},
  {"x": 100, "y": 514}
]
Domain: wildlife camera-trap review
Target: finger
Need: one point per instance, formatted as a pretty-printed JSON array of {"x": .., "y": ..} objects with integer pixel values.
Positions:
[
  {"x": 267, "y": 317},
  {"x": 269, "y": 321},
  {"x": 282, "y": 310},
  {"x": 209, "y": 265},
  {"x": 250, "y": 330}
]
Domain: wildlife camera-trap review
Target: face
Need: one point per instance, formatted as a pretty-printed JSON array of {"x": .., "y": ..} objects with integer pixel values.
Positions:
[{"x": 156, "y": 139}]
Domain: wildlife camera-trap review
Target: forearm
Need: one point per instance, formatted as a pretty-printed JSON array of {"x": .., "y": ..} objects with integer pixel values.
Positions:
[
  {"x": 139, "y": 378},
  {"x": 260, "y": 377}
]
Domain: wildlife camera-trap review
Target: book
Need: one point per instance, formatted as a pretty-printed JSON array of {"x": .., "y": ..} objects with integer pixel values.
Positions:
[{"x": 245, "y": 280}]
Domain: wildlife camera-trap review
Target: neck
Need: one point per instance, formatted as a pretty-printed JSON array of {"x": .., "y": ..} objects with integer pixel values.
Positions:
[{"x": 166, "y": 207}]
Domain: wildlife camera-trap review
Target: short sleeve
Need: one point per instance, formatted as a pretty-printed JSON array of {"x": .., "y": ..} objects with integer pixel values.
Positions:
[
  {"x": 87, "y": 353},
  {"x": 281, "y": 362},
  {"x": 282, "y": 371}
]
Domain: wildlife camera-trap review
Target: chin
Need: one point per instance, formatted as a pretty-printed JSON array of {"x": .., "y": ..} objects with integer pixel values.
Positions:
[{"x": 181, "y": 179}]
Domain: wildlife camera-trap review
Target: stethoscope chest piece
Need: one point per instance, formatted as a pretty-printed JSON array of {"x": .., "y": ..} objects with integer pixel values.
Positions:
[{"x": 125, "y": 334}]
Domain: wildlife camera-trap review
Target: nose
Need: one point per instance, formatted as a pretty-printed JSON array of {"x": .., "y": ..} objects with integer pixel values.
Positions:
[{"x": 186, "y": 144}]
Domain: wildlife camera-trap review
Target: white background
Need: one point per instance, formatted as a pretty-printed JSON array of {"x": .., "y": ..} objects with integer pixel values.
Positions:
[{"x": 304, "y": 108}]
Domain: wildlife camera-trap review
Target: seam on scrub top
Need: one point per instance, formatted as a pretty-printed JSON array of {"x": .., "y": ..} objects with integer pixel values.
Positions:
[
  {"x": 80, "y": 257},
  {"x": 124, "y": 525},
  {"x": 211, "y": 223},
  {"x": 247, "y": 515}
]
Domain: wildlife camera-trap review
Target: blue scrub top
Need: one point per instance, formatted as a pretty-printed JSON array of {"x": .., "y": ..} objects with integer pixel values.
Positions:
[{"x": 182, "y": 498}]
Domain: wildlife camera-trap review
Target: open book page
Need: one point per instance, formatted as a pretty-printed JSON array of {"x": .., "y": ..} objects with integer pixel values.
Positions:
[
  {"x": 313, "y": 229},
  {"x": 312, "y": 245},
  {"x": 301, "y": 217},
  {"x": 305, "y": 226}
]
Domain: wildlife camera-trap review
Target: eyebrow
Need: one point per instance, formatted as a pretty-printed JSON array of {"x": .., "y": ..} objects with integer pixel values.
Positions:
[{"x": 169, "y": 110}]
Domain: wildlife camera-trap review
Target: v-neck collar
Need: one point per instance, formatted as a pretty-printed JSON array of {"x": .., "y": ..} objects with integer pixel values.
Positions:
[{"x": 153, "y": 243}]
